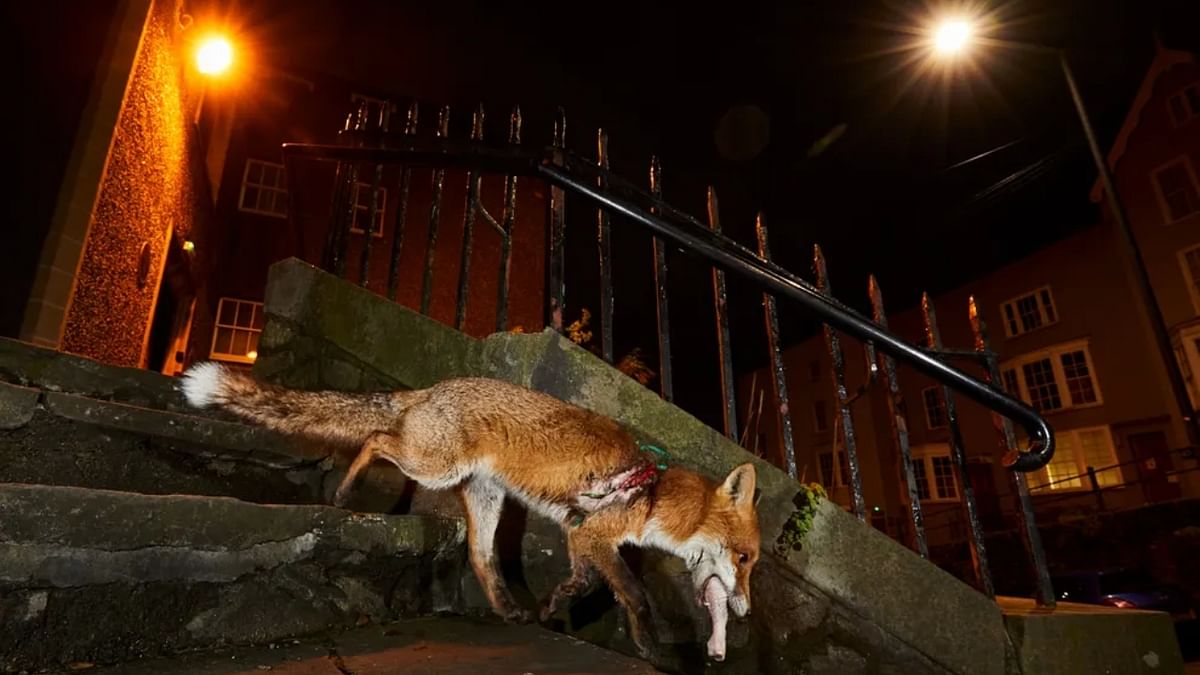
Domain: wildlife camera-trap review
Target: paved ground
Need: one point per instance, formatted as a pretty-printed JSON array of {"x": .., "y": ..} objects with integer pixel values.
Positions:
[{"x": 441, "y": 646}]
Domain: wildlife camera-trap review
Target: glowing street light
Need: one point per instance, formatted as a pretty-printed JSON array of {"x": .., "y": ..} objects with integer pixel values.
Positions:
[
  {"x": 214, "y": 56},
  {"x": 951, "y": 37}
]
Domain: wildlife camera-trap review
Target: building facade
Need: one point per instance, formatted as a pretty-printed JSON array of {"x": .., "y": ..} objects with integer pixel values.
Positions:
[{"x": 1073, "y": 342}]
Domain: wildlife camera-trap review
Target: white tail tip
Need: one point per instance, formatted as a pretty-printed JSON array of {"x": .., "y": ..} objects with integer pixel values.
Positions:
[{"x": 202, "y": 382}]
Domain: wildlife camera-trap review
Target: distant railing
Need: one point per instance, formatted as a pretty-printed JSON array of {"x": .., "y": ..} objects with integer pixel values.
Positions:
[{"x": 369, "y": 143}]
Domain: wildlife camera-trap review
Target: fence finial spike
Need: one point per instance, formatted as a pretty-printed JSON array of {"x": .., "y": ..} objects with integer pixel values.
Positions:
[
  {"x": 477, "y": 123},
  {"x": 714, "y": 209},
  {"x": 760, "y": 231},
  {"x": 601, "y": 148},
  {"x": 820, "y": 269},
  {"x": 514, "y": 126},
  {"x": 443, "y": 130},
  {"x": 655, "y": 176},
  {"x": 410, "y": 121},
  {"x": 560, "y": 128}
]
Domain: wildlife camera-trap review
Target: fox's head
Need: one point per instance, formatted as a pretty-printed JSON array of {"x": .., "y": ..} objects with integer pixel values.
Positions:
[{"x": 724, "y": 548}]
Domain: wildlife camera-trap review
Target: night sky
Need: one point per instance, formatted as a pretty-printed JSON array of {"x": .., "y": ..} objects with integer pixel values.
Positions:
[
  {"x": 823, "y": 114},
  {"x": 741, "y": 97}
]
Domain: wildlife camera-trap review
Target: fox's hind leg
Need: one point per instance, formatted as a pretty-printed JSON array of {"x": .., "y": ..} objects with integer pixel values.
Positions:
[
  {"x": 583, "y": 580},
  {"x": 375, "y": 444},
  {"x": 483, "y": 501}
]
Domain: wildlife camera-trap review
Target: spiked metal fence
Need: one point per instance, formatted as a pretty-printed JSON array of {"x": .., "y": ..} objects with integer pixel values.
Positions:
[{"x": 369, "y": 144}]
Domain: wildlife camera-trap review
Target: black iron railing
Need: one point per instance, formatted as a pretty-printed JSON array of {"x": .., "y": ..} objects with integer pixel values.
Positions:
[{"x": 367, "y": 143}]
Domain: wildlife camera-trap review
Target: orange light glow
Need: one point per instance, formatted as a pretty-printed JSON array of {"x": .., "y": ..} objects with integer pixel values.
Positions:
[
  {"x": 952, "y": 37},
  {"x": 214, "y": 56}
]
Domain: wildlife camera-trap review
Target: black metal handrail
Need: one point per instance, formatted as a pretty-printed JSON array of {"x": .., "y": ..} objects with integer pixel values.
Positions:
[{"x": 580, "y": 177}]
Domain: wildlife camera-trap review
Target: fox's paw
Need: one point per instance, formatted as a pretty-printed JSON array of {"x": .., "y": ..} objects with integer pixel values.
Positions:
[
  {"x": 517, "y": 615},
  {"x": 341, "y": 498}
]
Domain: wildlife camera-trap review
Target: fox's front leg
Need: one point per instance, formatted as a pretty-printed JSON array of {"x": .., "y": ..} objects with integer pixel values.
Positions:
[
  {"x": 484, "y": 502},
  {"x": 629, "y": 593}
]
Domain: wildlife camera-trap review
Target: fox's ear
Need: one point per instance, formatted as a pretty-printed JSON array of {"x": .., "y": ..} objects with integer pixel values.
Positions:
[{"x": 739, "y": 486}]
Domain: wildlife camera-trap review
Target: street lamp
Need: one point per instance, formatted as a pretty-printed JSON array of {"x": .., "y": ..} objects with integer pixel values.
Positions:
[
  {"x": 952, "y": 37},
  {"x": 213, "y": 56}
]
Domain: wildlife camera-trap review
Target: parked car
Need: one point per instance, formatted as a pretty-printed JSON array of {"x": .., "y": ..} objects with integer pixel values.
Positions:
[{"x": 1123, "y": 588}]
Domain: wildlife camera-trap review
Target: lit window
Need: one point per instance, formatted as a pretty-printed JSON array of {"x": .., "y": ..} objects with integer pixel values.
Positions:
[
  {"x": 235, "y": 336},
  {"x": 933, "y": 472},
  {"x": 935, "y": 407},
  {"x": 1058, "y": 378},
  {"x": 1029, "y": 312},
  {"x": 1077, "y": 449},
  {"x": 264, "y": 189},
  {"x": 1178, "y": 193},
  {"x": 1185, "y": 104}
]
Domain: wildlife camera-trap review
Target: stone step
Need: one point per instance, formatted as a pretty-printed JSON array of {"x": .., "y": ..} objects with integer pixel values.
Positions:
[
  {"x": 1079, "y": 638},
  {"x": 56, "y": 438},
  {"x": 37, "y": 367},
  {"x": 434, "y": 645},
  {"x": 99, "y": 576}
]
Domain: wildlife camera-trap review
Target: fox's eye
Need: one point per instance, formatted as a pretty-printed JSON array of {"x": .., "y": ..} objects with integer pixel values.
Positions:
[{"x": 743, "y": 558}]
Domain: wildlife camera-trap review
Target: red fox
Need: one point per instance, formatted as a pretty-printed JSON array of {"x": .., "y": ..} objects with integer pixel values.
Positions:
[{"x": 489, "y": 439}]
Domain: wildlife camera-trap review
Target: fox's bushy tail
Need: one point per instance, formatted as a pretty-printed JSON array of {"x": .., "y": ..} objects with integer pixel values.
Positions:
[{"x": 326, "y": 415}]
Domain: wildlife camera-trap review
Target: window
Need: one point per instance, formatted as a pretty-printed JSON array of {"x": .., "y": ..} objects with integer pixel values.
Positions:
[
  {"x": 1029, "y": 312},
  {"x": 1058, "y": 378},
  {"x": 1185, "y": 104},
  {"x": 1177, "y": 189},
  {"x": 935, "y": 407},
  {"x": 1187, "y": 351},
  {"x": 362, "y": 209},
  {"x": 235, "y": 337},
  {"x": 1189, "y": 259},
  {"x": 263, "y": 189},
  {"x": 820, "y": 417},
  {"x": 831, "y": 479},
  {"x": 933, "y": 471},
  {"x": 1077, "y": 450}
]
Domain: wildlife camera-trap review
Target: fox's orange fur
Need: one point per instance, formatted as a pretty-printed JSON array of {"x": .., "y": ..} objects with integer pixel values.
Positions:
[{"x": 489, "y": 439}]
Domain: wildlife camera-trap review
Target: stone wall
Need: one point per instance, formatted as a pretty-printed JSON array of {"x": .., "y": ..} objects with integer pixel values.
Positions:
[{"x": 848, "y": 600}]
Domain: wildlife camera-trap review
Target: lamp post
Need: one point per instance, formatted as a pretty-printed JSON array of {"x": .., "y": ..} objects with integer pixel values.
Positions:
[{"x": 952, "y": 38}]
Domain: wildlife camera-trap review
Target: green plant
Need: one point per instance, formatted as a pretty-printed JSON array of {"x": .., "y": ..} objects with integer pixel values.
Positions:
[{"x": 801, "y": 521}]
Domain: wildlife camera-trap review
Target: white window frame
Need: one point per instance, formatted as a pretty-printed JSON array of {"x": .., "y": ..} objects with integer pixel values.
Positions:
[
  {"x": 925, "y": 455},
  {"x": 1186, "y": 161},
  {"x": 251, "y": 330},
  {"x": 1193, "y": 289},
  {"x": 365, "y": 209},
  {"x": 1069, "y": 440},
  {"x": 1182, "y": 95},
  {"x": 280, "y": 188},
  {"x": 937, "y": 391},
  {"x": 1054, "y": 354},
  {"x": 1188, "y": 354},
  {"x": 1043, "y": 314}
]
